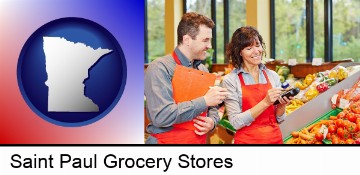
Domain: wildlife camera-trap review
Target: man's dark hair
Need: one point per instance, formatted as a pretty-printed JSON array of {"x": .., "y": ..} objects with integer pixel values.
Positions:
[{"x": 189, "y": 25}]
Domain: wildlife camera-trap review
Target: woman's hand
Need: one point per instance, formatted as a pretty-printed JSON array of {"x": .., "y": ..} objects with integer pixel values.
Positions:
[
  {"x": 272, "y": 95},
  {"x": 280, "y": 108},
  {"x": 284, "y": 101}
]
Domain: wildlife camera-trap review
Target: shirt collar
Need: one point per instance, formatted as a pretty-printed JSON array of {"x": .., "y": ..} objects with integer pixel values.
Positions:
[
  {"x": 184, "y": 60},
  {"x": 241, "y": 69}
]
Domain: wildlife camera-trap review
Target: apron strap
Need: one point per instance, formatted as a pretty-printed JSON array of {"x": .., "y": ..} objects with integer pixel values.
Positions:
[
  {"x": 267, "y": 78},
  {"x": 242, "y": 82},
  {"x": 176, "y": 58},
  {"x": 182, "y": 133}
]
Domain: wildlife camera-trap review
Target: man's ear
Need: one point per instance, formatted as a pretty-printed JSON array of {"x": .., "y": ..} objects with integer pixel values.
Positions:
[{"x": 186, "y": 40}]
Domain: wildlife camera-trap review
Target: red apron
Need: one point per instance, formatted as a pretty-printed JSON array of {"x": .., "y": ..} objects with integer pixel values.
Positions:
[
  {"x": 182, "y": 133},
  {"x": 264, "y": 130}
]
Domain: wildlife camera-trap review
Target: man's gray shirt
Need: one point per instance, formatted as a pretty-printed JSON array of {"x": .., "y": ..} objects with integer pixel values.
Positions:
[{"x": 161, "y": 108}]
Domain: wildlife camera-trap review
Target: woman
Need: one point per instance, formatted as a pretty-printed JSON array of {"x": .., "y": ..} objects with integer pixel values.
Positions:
[{"x": 252, "y": 91}]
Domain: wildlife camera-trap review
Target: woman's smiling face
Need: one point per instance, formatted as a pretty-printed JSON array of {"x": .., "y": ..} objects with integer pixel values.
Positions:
[{"x": 252, "y": 54}]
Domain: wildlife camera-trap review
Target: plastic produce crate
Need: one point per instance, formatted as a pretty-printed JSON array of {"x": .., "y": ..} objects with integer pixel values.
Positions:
[{"x": 326, "y": 116}]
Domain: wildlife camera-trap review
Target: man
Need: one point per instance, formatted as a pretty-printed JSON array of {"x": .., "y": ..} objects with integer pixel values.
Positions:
[{"x": 194, "y": 39}]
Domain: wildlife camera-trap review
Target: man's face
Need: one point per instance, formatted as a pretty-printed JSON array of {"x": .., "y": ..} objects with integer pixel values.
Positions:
[{"x": 201, "y": 43}]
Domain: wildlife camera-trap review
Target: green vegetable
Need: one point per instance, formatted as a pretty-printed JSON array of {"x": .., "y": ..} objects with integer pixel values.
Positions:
[
  {"x": 324, "y": 78},
  {"x": 277, "y": 68},
  {"x": 320, "y": 74},
  {"x": 283, "y": 71},
  {"x": 331, "y": 81},
  {"x": 282, "y": 78}
]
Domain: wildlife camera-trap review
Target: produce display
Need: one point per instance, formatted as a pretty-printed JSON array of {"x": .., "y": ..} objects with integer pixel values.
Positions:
[
  {"x": 315, "y": 84},
  {"x": 339, "y": 126}
]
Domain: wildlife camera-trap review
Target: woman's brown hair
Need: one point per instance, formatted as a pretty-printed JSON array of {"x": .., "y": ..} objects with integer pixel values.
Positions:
[{"x": 242, "y": 38}]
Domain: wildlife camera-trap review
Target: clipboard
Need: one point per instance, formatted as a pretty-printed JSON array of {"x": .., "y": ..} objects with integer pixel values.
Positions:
[{"x": 189, "y": 84}]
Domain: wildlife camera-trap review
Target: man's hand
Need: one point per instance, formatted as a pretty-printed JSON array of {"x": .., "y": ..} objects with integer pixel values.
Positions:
[
  {"x": 203, "y": 125},
  {"x": 215, "y": 95}
]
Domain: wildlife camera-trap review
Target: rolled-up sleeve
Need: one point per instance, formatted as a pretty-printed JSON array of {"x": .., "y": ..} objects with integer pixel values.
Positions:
[
  {"x": 281, "y": 118},
  {"x": 237, "y": 118},
  {"x": 214, "y": 115}
]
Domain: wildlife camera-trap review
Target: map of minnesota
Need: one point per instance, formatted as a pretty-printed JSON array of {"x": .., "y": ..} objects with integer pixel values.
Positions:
[{"x": 67, "y": 67}]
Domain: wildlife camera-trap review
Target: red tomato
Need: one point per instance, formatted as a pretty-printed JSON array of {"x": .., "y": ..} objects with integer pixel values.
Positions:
[
  {"x": 318, "y": 142},
  {"x": 319, "y": 136},
  {"x": 349, "y": 141},
  {"x": 351, "y": 117},
  {"x": 335, "y": 141},
  {"x": 356, "y": 135},
  {"x": 346, "y": 134},
  {"x": 332, "y": 129},
  {"x": 351, "y": 127},
  {"x": 357, "y": 120},
  {"x": 340, "y": 132},
  {"x": 346, "y": 123},
  {"x": 334, "y": 136},
  {"x": 328, "y": 136},
  {"x": 357, "y": 115},
  {"x": 339, "y": 123},
  {"x": 341, "y": 115},
  {"x": 355, "y": 108}
]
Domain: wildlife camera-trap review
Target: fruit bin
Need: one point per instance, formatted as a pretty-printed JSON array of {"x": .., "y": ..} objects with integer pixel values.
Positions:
[{"x": 326, "y": 116}]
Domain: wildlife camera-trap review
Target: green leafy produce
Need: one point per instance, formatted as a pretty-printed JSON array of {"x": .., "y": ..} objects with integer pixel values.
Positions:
[
  {"x": 283, "y": 71},
  {"x": 282, "y": 78}
]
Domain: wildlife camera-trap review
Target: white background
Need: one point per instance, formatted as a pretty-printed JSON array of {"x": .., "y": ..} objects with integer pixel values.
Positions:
[{"x": 287, "y": 160}]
